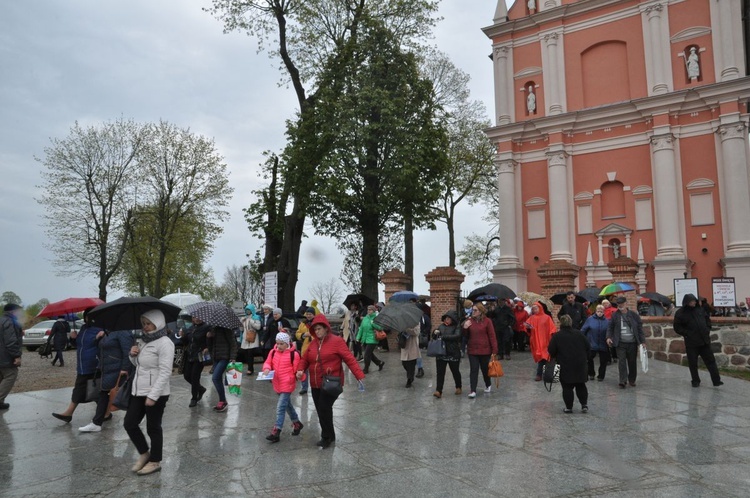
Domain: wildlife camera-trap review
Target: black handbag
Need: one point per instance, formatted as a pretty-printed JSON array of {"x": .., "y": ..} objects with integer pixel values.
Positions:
[
  {"x": 93, "y": 388},
  {"x": 435, "y": 348},
  {"x": 122, "y": 400},
  {"x": 332, "y": 386}
]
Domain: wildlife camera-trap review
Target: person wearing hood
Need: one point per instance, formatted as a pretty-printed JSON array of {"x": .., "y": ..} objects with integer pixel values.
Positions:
[
  {"x": 304, "y": 337},
  {"x": 220, "y": 341},
  {"x": 450, "y": 333},
  {"x": 325, "y": 356},
  {"x": 153, "y": 356},
  {"x": 11, "y": 340},
  {"x": 194, "y": 340},
  {"x": 519, "y": 326},
  {"x": 250, "y": 344},
  {"x": 283, "y": 360},
  {"x": 595, "y": 329},
  {"x": 694, "y": 325},
  {"x": 366, "y": 337},
  {"x": 540, "y": 328},
  {"x": 59, "y": 339}
]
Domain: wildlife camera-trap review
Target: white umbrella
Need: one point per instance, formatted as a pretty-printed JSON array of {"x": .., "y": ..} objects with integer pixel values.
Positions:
[{"x": 182, "y": 299}]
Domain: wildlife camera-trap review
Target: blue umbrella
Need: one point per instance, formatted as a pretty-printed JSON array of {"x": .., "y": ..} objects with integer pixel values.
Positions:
[{"x": 403, "y": 297}]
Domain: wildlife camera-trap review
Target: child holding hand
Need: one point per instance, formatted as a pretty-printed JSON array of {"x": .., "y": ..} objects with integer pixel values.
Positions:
[{"x": 283, "y": 360}]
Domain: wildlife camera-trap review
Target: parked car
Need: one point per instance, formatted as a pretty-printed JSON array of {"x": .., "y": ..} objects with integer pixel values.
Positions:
[{"x": 37, "y": 334}]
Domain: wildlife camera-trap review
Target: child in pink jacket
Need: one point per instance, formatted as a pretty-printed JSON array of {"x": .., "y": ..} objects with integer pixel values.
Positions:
[{"x": 283, "y": 360}]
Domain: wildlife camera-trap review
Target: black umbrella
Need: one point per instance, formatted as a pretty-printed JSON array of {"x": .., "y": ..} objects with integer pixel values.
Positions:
[
  {"x": 399, "y": 316},
  {"x": 590, "y": 294},
  {"x": 659, "y": 298},
  {"x": 561, "y": 297},
  {"x": 360, "y": 299},
  {"x": 125, "y": 313},
  {"x": 500, "y": 291},
  {"x": 214, "y": 314},
  {"x": 403, "y": 297}
]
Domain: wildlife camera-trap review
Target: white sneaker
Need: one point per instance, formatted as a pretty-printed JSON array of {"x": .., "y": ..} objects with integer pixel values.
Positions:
[
  {"x": 92, "y": 427},
  {"x": 488, "y": 389},
  {"x": 472, "y": 395}
]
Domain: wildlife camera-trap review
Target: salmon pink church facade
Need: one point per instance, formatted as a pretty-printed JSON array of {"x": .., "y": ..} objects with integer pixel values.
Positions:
[{"x": 621, "y": 129}]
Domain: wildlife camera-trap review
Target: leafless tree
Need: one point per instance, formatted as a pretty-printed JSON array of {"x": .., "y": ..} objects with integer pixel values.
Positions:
[{"x": 328, "y": 294}]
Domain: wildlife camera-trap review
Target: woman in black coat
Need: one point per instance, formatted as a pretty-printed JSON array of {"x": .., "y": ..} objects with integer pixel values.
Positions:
[
  {"x": 194, "y": 341},
  {"x": 570, "y": 348},
  {"x": 451, "y": 334},
  {"x": 59, "y": 339},
  {"x": 114, "y": 362}
]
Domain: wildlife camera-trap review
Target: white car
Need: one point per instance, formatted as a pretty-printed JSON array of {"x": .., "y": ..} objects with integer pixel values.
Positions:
[{"x": 35, "y": 336}]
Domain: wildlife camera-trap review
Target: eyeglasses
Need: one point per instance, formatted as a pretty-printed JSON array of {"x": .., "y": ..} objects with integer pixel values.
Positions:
[{"x": 474, "y": 309}]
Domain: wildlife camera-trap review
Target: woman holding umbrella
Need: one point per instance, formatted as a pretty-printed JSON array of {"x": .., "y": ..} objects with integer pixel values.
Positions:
[{"x": 153, "y": 356}]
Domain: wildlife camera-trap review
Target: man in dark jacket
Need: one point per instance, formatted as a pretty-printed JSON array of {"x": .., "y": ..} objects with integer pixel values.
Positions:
[
  {"x": 574, "y": 310},
  {"x": 692, "y": 323},
  {"x": 625, "y": 333},
  {"x": 11, "y": 339},
  {"x": 503, "y": 319}
]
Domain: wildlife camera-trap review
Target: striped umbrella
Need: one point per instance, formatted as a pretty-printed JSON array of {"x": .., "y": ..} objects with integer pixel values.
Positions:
[
  {"x": 214, "y": 314},
  {"x": 616, "y": 288}
]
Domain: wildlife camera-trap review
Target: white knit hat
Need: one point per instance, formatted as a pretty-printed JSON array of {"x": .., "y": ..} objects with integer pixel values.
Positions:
[{"x": 284, "y": 337}]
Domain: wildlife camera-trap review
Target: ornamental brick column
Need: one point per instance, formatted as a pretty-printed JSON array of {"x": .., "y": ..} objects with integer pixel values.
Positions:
[
  {"x": 558, "y": 276},
  {"x": 394, "y": 280},
  {"x": 624, "y": 269},
  {"x": 445, "y": 290}
]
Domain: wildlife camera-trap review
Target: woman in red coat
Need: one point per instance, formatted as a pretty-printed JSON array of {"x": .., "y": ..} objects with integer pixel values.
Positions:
[
  {"x": 324, "y": 356},
  {"x": 481, "y": 346}
]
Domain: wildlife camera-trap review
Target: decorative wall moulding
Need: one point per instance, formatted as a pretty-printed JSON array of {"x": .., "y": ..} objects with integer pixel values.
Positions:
[
  {"x": 700, "y": 183},
  {"x": 643, "y": 190},
  {"x": 690, "y": 33},
  {"x": 583, "y": 196},
  {"x": 528, "y": 71},
  {"x": 535, "y": 201}
]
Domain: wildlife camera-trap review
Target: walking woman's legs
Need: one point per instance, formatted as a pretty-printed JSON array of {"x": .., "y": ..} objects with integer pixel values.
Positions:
[
  {"x": 131, "y": 423},
  {"x": 484, "y": 364},
  {"x": 154, "y": 415},
  {"x": 440, "y": 366},
  {"x": 473, "y": 372},
  {"x": 218, "y": 379}
]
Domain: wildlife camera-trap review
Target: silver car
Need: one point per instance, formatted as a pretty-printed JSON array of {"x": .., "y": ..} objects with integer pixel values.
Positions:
[{"x": 35, "y": 336}]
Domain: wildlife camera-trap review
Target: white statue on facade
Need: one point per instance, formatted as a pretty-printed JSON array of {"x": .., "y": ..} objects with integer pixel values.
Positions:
[
  {"x": 531, "y": 100},
  {"x": 531, "y": 4},
  {"x": 693, "y": 68}
]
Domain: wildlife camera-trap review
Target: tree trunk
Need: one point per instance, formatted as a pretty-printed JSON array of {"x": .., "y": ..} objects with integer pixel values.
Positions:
[
  {"x": 370, "y": 257},
  {"x": 449, "y": 220},
  {"x": 288, "y": 262},
  {"x": 409, "y": 249}
]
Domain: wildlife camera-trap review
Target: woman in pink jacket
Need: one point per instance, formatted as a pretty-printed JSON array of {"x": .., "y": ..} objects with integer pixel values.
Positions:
[
  {"x": 481, "y": 346},
  {"x": 283, "y": 360}
]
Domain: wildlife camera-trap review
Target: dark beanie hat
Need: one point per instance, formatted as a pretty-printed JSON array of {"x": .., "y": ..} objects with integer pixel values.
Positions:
[
  {"x": 310, "y": 310},
  {"x": 11, "y": 307}
]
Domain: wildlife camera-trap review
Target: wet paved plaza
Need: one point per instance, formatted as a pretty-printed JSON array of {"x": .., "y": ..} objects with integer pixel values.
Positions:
[{"x": 662, "y": 438}]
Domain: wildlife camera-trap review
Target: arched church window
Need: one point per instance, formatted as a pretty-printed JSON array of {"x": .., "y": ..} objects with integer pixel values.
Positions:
[{"x": 613, "y": 200}]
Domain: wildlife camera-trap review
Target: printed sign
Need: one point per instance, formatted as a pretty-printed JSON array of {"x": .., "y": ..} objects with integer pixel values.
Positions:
[
  {"x": 684, "y": 286},
  {"x": 723, "y": 291},
  {"x": 271, "y": 288}
]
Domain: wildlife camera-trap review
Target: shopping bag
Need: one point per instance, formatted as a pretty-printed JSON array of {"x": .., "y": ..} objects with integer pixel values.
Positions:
[
  {"x": 233, "y": 374},
  {"x": 644, "y": 357}
]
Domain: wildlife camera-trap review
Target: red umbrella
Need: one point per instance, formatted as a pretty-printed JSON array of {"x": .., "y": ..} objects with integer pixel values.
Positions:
[{"x": 70, "y": 305}]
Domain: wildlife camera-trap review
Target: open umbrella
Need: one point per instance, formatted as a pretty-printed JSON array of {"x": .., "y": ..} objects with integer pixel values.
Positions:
[
  {"x": 403, "y": 297},
  {"x": 399, "y": 316},
  {"x": 591, "y": 294},
  {"x": 532, "y": 297},
  {"x": 616, "y": 288},
  {"x": 125, "y": 313},
  {"x": 182, "y": 299},
  {"x": 70, "y": 305},
  {"x": 485, "y": 297},
  {"x": 215, "y": 314},
  {"x": 500, "y": 291},
  {"x": 659, "y": 298},
  {"x": 561, "y": 297},
  {"x": 357, "y": 298}
]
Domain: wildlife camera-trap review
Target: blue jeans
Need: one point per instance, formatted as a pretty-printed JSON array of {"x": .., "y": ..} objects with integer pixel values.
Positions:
[
  {"x": 419, "y": 362},
  {"x": 285, "y": 406},
  {"x": 306, "y": 383},
  {"x": 218, "y": 378}
]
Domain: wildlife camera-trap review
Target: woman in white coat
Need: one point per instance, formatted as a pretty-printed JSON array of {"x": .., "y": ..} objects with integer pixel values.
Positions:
[{"x": 152, "y": 356}]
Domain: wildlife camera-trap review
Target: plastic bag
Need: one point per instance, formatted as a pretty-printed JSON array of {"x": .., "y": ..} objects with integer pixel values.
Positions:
[
  {"x": 233, "y": 375},
  {"x": 644, "y": 357}
]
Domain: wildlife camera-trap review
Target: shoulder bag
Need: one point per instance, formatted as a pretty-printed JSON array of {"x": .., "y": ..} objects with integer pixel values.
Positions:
[
  {"x": 436, "y": 347},
  {"x": 331, "y": 383}
]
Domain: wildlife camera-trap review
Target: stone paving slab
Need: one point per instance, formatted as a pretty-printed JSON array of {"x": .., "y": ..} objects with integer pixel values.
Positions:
[{"x": 662, "y": 438}]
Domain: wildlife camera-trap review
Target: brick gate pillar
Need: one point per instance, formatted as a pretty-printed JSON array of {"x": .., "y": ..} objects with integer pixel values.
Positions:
[
  {"x": 557, "y": 276},
  {"x": 445, "y": 289},
  {"x": 624, "y": 269},
  {"x": 394, "y": 280}
]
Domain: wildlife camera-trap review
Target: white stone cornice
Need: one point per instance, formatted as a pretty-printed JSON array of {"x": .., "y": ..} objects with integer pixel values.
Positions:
[
  {"x": 700, "y": 183},
  {"x": 690, "y": 33},
  {"x": 535, "y": 201},
  {"x": 528, "y": 71}
]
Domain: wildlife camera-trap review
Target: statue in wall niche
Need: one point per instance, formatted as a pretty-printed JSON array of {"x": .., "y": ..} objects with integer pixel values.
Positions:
[
  {"x": 531, "y": 4},
  {"x": 531, "y": 100},
  {"x": 693, "y": 68}
]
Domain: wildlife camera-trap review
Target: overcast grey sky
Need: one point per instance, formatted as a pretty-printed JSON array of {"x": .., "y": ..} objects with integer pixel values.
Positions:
[{"x": 94, "y": 61}]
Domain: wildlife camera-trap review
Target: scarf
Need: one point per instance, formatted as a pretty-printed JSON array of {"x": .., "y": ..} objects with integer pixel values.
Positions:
[
  {"x": 154, "y": 335},
  {"x": 14, "y": 319}
]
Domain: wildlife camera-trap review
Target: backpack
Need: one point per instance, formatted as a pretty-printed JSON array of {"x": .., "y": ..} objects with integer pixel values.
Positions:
[
  {"x": 291, "y": 356},
  {"x": 45, "y": 350}
]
